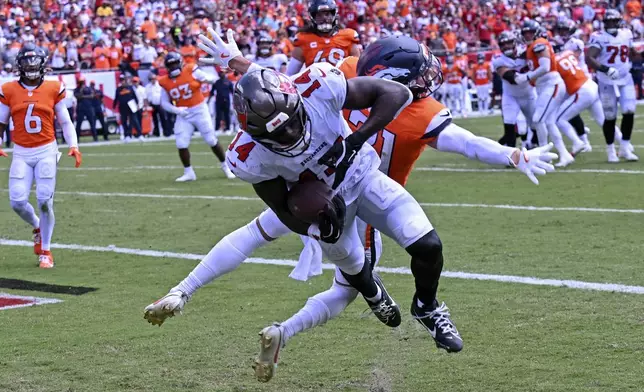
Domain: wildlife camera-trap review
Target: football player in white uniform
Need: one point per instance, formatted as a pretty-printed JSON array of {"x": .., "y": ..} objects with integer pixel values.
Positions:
[
  {"x": 516, "y": 98},
  {"x": 610, "y": 52},
  {"x": 265, "y": 56}
]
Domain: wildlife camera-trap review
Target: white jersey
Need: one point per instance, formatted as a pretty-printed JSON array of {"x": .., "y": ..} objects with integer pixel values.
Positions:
[
  {"x": 577, "y": 46},
  {"x": 517, "y": 64},
  {"x": 615, "y": 53},
  {"x": 274, "y": 61},
  {"x": 254, "y": 163}
]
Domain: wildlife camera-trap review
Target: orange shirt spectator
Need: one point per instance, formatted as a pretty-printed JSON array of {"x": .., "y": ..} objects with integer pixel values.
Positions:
[
  {"x": 149, "y": 28},
  {"x": 381, "y": 8},
  {"x": 189, "y": 53},
  {"x": 633, "y": 9},
  {"x": 450, "y": 40},
  {"x": 115, "y": 55},
  {"x": 101, "y": 58}
]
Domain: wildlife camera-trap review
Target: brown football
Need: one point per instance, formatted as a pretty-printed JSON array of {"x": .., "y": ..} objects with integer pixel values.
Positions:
[{"x": 307, "y": 199}]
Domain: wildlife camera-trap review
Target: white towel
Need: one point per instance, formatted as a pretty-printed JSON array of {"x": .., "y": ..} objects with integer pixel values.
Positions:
[{"x": 310, "y": 262}]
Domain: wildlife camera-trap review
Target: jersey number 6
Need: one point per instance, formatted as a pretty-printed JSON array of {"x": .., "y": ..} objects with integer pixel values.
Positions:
[{"x": 33, "y": 124}]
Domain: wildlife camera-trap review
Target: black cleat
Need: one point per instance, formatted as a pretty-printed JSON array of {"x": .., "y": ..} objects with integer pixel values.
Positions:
[
  {"x": 386, "y": 310},
  {"x": 439, "y": 325}
]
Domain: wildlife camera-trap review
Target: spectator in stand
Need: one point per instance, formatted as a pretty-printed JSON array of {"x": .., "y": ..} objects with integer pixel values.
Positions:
[
  {"x": 153, "y": 98},
  {"x": 85, "y": 108},
  {"x": 101, "y": 56},
  {"x": 147, "y": 55},
  {"x": 97, "y": 102},
  {"x": 128, "y": 104},
  {"x": 115, "y": 54}
]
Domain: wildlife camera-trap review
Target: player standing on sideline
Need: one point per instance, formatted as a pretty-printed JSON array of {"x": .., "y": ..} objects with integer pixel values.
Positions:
[
  {"x": 32, "y": 103},
  {"x": 516, "y": 98},
  {"x": 610, "y": 52},
  {"x": 266, "y": 57},
  {"x": 462, "y": 61},
  {"x": 482, "y": 77},
  {"x": 182, "y": 85},
  {"x": 549, "y": 85},
  {"x": 322, "y": 41},
  {"x": 426, "y": 122},
  {"x": 454, "y": 76}
]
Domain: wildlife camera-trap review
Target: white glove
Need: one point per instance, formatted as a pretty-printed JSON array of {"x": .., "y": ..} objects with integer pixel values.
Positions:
[
  {"x": 181, "y": 111},
  {"x": 613, "y": 73},
  {"x": 220, "y": 52},
  {"x": 534, "y": 162},
  {"x": 522, "y": 78}
]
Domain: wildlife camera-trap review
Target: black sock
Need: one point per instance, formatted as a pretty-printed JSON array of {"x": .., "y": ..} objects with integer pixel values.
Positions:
[
  {"x": 363, "y": 281},
  {"x": 627, "y": 126},
  {"x": 426, "y": 266},
  {"x": 578, "y": 124},
  {"x": 609, "y": 130},
  {"x": 535, "y": 138},
  {"x": 510, "y": 135}
]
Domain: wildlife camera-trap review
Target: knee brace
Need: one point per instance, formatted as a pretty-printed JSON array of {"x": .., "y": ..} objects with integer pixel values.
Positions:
[
  {"x": 429, "y": 247},
  {"x": 46, "y": 206}
]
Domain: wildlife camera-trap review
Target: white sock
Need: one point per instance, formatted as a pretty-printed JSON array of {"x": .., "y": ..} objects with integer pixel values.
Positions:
[
  {"x": 187, "y": 170},
  {"x": 224, "y": 257},
  {"x": 47, "y": 221},
  {"x": 319, "y": 309},
  {"x": 376, "y": 297},
  {"x": 26, "y": 211}
]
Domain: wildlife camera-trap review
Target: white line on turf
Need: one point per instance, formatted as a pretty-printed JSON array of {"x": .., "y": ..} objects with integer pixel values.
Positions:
[
  {"x": 575, "y": 284},
  {"x": 454, "y": 205}
]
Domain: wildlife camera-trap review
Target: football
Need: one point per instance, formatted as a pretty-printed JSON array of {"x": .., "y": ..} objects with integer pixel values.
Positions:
[{"x": 306, "y": 200}]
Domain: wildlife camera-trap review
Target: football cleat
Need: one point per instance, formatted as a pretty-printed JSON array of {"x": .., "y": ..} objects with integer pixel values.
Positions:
[
  {"x": 37, "y": 242},
  {"x": 46, "y": 260},
  {"x": 229, "y": 174},
  {"x": 626, "y": 151},
  {"x": 168, "y": 306},
  {"x": 188, "y": 176},
  {"x": 579, "y": 148},
  {"x": 565, "y": 160},
  {"x": 439, "y": 325},
  {"x": 271, "y": 340},
  {"x": 612, "y": 155},
  {"x": 386, "y": 310}
]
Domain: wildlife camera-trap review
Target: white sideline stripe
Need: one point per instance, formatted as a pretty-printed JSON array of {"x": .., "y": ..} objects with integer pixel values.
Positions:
[
  {"x": 575, "y": 284},
  {"x": 112, "y": 143},
  {"x": 449, "y": 169},
  {"x": 455, "y": 205}
]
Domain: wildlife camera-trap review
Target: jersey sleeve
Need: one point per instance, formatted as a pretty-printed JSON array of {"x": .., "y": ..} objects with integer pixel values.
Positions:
[
  {"x": 4, "y": 109},
  {"x": 348, "y": 67},
  {"x": 595, "y": 41},
  {"x": 323, "y": 82},
  {"x": 244, "y": 158},
  {"x": 438, "y": 123},
  {"x": 352, "y": 36},
  {"x": 61, "y": 92},
  {"x": 3, "y": 98},
  {"x": 300, "y": 40}
]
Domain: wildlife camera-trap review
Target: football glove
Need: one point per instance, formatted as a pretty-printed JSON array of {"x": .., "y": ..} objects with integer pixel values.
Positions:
[
  {"x": 534, "y": 162},
  {"x": 341, "y": 155},
  {"x": 220, "y": 52},
  {"x": 613, "y": 73},
  {"x": 330, "y": 224},
  {"x": 74, "y": 152},
  {"x": 2, "y": 153},
  {"x": 181, "y": 111}
]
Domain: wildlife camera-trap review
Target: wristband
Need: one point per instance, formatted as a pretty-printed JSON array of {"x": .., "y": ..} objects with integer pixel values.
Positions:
[{"x": 314, "y": 231}]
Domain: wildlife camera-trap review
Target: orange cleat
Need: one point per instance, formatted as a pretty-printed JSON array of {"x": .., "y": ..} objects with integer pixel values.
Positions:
[
  {"x": 37, "y": 242},
  {"x": 46, "y": 259}
]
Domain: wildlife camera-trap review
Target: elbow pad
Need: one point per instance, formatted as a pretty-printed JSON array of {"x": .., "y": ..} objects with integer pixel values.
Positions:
[{"x": 509, "y": 76}]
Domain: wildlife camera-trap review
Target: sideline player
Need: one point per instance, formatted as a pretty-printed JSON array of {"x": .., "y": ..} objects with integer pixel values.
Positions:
[
  {"x": 32, "y": 102},
  {"x": 455, "y": 91},
  {"x": 610, "y": 53},
  {"x": 322, "y": 40},
  {"x": 482, "y": 77},
  {"x": 426, "y": 128},
  {"x": 266, "y": 57},
  {"x": 182, "y": 85},
  {"x": 516, "y": 98}
]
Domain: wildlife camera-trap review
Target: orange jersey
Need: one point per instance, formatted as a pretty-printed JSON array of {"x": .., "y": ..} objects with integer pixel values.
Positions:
[
  {"x": 481, "y": 74},
  {"x": 453, "y": 74},
  {"x": 184, "y": 90},
  {"x": 405, "y": 138},
  {"x": 572, "y": 75},
  {"x": 32, "y": 111},
  {"x": 535, "y": 48},
  {"x": 462, "y": 61},
  {"x": 318, "y": 49}
]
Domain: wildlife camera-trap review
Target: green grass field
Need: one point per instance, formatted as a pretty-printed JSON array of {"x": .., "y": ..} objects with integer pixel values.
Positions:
[{"x": 518, "y": 337}]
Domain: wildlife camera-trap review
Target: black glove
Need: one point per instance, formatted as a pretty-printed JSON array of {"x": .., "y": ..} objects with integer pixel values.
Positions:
[
  {"x": 341, "y": 155},
  {"x": 331, "y": 220}
]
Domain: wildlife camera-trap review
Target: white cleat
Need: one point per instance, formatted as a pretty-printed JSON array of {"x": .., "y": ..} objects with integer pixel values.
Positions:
[
  {"x": 579, "y": 148},
  {"x": 229, "y": 174},
  {"x": 612, "y": 155},
  {"x": 188, "y": 176},
  {"x": 565, "y": 160},
  {"x": 271, "y": 340},
  {"x": 168, "y": 306},
  {"x": 626, "y": 152}
]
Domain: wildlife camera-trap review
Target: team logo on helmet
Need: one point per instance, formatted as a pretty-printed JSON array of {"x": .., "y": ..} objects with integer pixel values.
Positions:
[
  {"x": 285, "y": 84},
  {"x": 390, "y": 73},
  {"x": 241, "y": 108}
]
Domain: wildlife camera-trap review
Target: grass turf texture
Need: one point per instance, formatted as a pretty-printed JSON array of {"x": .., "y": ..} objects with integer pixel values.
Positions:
[{"x": 517, "y": 337}]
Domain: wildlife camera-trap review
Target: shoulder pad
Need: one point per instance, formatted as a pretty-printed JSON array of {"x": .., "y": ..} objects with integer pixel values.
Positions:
[{"x": 539, "y": 47}]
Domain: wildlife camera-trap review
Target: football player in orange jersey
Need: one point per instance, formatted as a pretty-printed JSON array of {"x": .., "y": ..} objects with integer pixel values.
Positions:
[
  {"x": 549, "y": 86},
  {"x": 322, "y": 40},
  {"x": 423, "y": 122},
  {"x": 32, "y": 103},
  {"x": 482, "y": 77},
  {"x": 182, "y": 85},
  {"x": 455, "y": 91}
]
